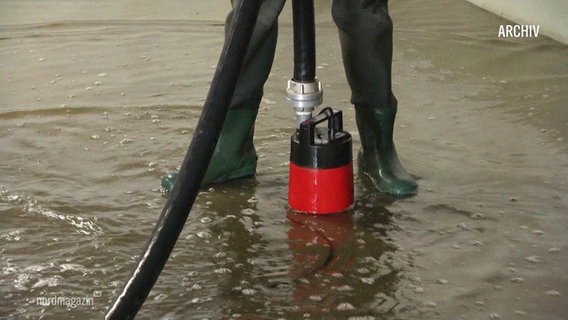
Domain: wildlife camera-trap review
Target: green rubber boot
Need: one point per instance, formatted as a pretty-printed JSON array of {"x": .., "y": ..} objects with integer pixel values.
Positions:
[
  {"x": 234, "y": 156},
  {"x": 377, "y": 157}
]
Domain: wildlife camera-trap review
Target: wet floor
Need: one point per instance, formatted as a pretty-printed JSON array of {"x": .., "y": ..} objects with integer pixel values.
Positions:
[{"x": 97, "y": 103}]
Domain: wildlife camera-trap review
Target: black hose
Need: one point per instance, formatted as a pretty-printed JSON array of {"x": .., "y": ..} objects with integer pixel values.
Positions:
[
  {"x": 304, "y": 41},
  {"x": 195, "y": 163}
]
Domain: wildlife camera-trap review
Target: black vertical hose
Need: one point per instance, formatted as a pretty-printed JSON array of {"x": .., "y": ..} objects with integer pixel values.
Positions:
[
  {"x": 195, "y": 163},
  {"x": 304, "y": 41}
]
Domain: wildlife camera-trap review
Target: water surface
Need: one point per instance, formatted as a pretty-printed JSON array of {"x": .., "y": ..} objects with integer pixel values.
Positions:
[{"x": 97, "y": 102}]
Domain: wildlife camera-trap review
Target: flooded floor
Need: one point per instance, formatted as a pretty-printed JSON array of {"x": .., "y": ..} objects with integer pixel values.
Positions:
[{"x": 96, "y": 103}]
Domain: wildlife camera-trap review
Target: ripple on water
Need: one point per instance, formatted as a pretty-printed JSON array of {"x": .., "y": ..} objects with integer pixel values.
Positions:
[{"x": 31, "y": 207}]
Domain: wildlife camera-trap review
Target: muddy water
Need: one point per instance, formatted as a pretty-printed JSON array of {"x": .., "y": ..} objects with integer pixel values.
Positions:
[{"x": 97, "y": 102}]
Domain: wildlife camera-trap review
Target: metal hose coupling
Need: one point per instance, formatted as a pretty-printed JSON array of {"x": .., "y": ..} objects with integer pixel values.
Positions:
[{"x": 305, "y": 97}]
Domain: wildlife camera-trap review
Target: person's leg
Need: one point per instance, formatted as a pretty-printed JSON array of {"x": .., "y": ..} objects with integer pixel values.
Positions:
[
  {"x": 235, "y": 156},
  {"x": 365, "y": 32}
]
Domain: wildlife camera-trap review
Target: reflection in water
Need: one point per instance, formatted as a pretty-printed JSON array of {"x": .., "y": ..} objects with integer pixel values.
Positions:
[
  {"x": 230, "y": 262},
  {"x": 239, "y": 262},
  {"x": 240, "y": 248},
  {"x": 339, "y": 264}
]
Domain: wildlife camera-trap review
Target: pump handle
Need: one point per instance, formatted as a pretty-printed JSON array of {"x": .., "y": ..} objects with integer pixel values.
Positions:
[{"x": 334, "y": 125}]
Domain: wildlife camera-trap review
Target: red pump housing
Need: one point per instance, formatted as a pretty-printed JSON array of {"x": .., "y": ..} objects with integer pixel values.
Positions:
[{"x": 321, "y": 166}]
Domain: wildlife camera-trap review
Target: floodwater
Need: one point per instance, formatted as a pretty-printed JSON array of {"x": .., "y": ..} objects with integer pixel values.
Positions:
[{"x": 98, "y": 101}]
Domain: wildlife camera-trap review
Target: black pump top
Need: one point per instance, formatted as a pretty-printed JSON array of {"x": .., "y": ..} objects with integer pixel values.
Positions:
[{"x": 322, "y": 148}]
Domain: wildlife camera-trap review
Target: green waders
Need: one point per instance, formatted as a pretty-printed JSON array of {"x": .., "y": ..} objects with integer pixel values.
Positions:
[
  {"x": 365, "y": 32},
  {"x": 235, "y": 156}
]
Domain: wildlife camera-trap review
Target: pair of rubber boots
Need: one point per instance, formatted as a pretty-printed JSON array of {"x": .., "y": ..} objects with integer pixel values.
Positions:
[{"x": 235, "y": 156}]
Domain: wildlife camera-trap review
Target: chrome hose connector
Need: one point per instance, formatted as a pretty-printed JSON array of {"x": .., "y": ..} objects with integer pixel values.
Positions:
[{"x": 305, "y": 97}]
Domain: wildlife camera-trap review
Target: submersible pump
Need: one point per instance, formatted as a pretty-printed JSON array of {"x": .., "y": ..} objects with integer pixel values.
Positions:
[{"x": 321, "y": 165}]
